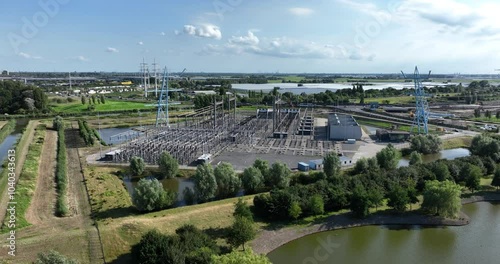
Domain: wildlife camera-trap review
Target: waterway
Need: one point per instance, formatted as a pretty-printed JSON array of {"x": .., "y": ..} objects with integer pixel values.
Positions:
[
  {"x": 476, "y": 242},
  {"x": 11, "y": 139},
  {"x": 449, "y": 154}
]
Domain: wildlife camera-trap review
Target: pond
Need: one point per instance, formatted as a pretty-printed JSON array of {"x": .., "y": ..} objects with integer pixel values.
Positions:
[
  {"x": 176, "y": 184},
  {"x": 476, "y": 242},
  {"x": 449, "y": 154}
]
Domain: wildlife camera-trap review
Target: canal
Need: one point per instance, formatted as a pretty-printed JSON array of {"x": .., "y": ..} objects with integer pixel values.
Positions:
[
  {"x": 449, "y": 154},
  {"x": 476, "y": 242},
  {"x": 11, "y": 139}
]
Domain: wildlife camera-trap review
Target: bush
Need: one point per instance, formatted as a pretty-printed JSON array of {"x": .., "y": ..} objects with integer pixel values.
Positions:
[
  {"x": 426, "y": 144},
  {"x": 137, "y": 165},
  {"x": 169, "y": 167},
  {"x": 53, "y": 257},
  {"x": 316, "y": 205},
  {"x": 189, "y": 196},
  {"x": 61, "y": 175},
  {"x": 252, "y": 180},
  {"x": 242, "y": 209},
  {"x": 149, "y": 195}
]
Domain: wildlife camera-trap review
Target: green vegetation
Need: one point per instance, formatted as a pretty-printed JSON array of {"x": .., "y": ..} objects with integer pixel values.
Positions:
[
  {"x": 388, "y": 157},
  {"x": 205, "y": 184},
  {"x": 415, "y": 158},
  {"x": 109, "y": 106},
  {"x": 278, "y": 176},
  {"x": 61, "y": 174},
  {"x": 241, "y": 231},
  {"x": 169, "y": 167},
  {"x": 19, "y": 98},
  {"x": 458, "y": 142},
  {"x": 53, "y": 257},
  {"x": 496, "y": 178},
  {"x": 25, "y": 186},
  {"x": 149, "y": 195},
  {"x": 228, "y": 183},
  {"x": 331, "y": 164},
  {"x": 252, "y": 180},
  {"x": 86, "y": 132},
  {"x": 7, "y": 129},
  {"x": 442, "y": 198},
  {"x": 425, "y": 144},
  {"x": 241, "y": 257},
  {"x": 137, "y": 165}
]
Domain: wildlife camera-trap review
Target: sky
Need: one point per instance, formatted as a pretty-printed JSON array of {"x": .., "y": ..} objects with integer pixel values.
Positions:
[{"x": 251, "y": 36}]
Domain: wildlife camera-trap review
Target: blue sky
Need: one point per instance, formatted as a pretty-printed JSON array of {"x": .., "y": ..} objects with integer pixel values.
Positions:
[{"x": 324, "y": 36}]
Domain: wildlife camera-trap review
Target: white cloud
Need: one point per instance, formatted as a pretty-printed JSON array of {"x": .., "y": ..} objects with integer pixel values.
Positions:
[
  {"x": 28, "y": 56},
  {"x": 140, "y": 43},
  {"x": 162, "y": 33},
  {"x": 203, "y": 30},
  {"x": 112, "y": 50},
  {"x": 300, "y": 11},
  {"x": 82, "y": 58},
  {"x": 176, "y": 32},
  {"x": 249, "y": 39}
]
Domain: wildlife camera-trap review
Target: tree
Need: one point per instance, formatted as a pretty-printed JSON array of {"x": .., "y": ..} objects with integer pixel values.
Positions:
[
  {"x": 53, "y": 257},
  {"x": 472, "y": 175},
  {"x": 360, "y": 202},
  {"x": 168, "y": 165},
  {"x": 388, "y": 157},
  {"x": 426, "y": 144},
  {"x": 361, "y": 166},
  {"x": 137, "y": 165},
  {"x": 263, "y": 166},
  {"x": 376, "y": 197},
  {"x": 252, "y": 180},
  {"x": 485, "y": 146},
  {"x": 228, "y": 183},
  {"x": 241, "y": 257},
  {"x": 316, "y": 205},
  {"x": 278, "y": 176},
  {"x": 331, "y": 164},
  {"x": 189, "y": 196},
  {"x": 103, "y": 100},
  {"x": 398, "y": 198},
  {"x": 477, "y": 113},
  {"x": 242, "y": 209},
  {"x": 295, "y": 211},
  {"x": 57, "y": 123},
  {"x": 155, "y": 248},
  {"x": 149, "y": 195},
  {"x": 83, "y": 100},
  {"x": 487, "y": 114},
  {"x": 415, "y": 158},
  {"x": 241, "y": 232},
  {"x": 205, "y": 185},
  {"x": 442, "y": 198},
  {"x": 93, "y": 99},
  {"x": 498, "y": 115},
  {"x": 440, "y": 169},
  {"x": 496, "y": 178}
]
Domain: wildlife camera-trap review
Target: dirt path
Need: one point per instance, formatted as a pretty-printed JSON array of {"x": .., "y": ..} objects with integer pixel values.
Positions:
[
  {"x": 73, "y": 236},
  {"x": 42, "y": 205},
  {"x": 2, "y": 123},
  {"x": 21, "y": 157}
]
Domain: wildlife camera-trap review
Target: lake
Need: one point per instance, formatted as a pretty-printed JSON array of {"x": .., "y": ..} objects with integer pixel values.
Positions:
[
  {"x": 448, "y": 154},
  {"x": 477, "y": 242}
]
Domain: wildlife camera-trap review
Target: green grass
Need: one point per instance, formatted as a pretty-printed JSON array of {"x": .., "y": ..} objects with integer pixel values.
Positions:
[
  {"x": 392, "y": 100},
  {"x": 61, "y": 175},
  {"x": 7, "y": 129},
  {"x": 26, "y": 184},
  {"x": 493, "y": 119},
  {"x": 18, "y": 146},
  {"x": 289, "y": 78},
  {"x": 460, "y": 142},
  {"x": 110, "y": 105},
  {"x": 381, "y": 124}
]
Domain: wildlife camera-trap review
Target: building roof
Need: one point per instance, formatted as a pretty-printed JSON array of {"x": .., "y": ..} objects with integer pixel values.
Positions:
[
  {"x": 317, "y": 162},
  {"x": 341, "y": 120}
]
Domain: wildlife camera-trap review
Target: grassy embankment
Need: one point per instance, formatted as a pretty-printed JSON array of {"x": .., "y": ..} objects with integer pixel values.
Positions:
[
  {"x": 6, "y": 129},
  {"x": 459, "y": 142},
  {"x": 26, "y": 184},
  {"x": 61, "y": 175},
  {"x": 18, "y": 146}
]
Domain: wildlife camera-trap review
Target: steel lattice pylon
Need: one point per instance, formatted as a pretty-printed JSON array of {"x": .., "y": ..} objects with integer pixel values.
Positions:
[
  {"x": 162, "y": 113},
  {"x": 421, "y": 117}
]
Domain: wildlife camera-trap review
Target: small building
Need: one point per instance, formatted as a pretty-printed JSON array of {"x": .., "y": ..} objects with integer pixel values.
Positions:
[
  {"x": 302, "y": 166},
  {"x": 343, "y": 127},
  {"x": 316, "y": 164},
  {"x": 350, "y": 141},
  {"x": 205, "y": 158},
  {"x": 111, "y": 155},
  {"x": 394, "y": 136},
  {"x": 345, "y": 161}
]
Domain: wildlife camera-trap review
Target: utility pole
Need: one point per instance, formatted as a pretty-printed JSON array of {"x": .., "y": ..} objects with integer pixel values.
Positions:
[
  {"x": 144, "y": 71},
  {"x": 155, "y": 72},
  {"x": 99, "y": 128}
]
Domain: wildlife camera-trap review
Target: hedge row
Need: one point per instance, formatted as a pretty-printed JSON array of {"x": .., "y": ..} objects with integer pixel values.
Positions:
[
  {"x": 86, "y": 133},
  {"x": 61, "y": 175}
]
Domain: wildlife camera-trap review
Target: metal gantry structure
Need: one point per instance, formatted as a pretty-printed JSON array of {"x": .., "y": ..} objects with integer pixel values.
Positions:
[
  {"x": 421, "y": 117},
  {"x": 162, "y": 112}
]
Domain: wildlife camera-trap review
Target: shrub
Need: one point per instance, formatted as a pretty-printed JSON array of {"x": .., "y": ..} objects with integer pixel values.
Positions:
[
  {"x": 149, "y": 195},
  {"x": 168, "y": 165}
]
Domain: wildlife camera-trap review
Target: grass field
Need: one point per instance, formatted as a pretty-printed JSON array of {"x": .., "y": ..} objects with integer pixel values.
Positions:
[
  {"x": 25, "y": 186},
  {"x": 459, "y": 142},
  {"x": 392, "y": 100},
  {"x": 110, "y": 105}
]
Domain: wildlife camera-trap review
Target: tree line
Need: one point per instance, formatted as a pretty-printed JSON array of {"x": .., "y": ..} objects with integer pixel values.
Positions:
[{"x": 18, "y": 98}]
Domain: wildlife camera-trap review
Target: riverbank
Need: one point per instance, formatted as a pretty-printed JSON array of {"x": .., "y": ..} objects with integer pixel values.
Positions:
[{"x": 269, "y": 240}]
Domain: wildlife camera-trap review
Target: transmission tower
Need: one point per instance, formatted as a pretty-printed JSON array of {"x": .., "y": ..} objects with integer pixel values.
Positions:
[
  {"x": 162, "y": 114},
  {"x": 155, "y": 75},
  {"x": 421, "y": 116},
  {"x": 145, "y": 76}
]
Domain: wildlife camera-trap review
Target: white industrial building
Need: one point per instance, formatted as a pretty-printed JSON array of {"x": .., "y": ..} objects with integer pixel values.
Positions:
[{"x": 343, "y": 127}]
